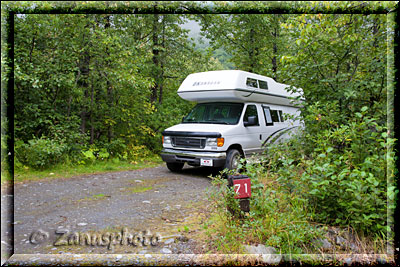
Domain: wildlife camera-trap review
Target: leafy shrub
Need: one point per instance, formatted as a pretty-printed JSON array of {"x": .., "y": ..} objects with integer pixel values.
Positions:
[
  {"x": 64, "y": 131},
  {"x": 341, "y": 175},
  {"x": 40, "y": 153},
  {"x": 276, "y": 218},
  {"x": 136, "y": 152},
  {"x": 92, "y": 154},
  {"x": 116, "y": 148}
]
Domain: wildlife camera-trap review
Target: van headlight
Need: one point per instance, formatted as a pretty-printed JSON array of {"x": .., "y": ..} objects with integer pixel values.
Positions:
[
  {"x": 215, "y": 142},
  {"x": 166, "y": 140}
]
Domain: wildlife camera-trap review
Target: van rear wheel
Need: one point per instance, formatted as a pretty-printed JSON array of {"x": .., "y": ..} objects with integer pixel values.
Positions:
[
  {"x": 232, "y": 159},
  {"x": 175, "y": 167}
]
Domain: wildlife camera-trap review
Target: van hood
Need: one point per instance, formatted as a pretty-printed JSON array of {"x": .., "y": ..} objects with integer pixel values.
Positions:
[{"x": 199, "y": 129}]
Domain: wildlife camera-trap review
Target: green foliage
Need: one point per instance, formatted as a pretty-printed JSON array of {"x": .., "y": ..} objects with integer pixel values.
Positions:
[
  {"x": 224, "y": 58},
  {"x": 116, "y": 148},
  {"x": 341, "y": 175},
  {"x": 92, "y": 87},
  {"x": 338, "y": 58},
  {"x": 40, "y": 153},
  {"x": 277, "y": 218},
  {"x": 69, "y": 169},
  {"x": 253, "y": 42},
  {"x": 101, "y": 83},
  {"x": 93, "y": 153},
  {"x": 339, "y": 164}
]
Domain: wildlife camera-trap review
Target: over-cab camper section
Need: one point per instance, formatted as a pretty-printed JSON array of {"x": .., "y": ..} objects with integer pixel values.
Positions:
[{"x": 235, "y": 86}]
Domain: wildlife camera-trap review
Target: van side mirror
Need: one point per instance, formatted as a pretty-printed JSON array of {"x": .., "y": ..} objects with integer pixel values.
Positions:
[
  {"x": 251, "y": 121},
  {"x": 183, "y": 118}
]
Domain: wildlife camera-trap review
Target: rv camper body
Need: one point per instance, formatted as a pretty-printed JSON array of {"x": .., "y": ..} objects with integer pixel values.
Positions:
[{"x": 237, "y": 115}]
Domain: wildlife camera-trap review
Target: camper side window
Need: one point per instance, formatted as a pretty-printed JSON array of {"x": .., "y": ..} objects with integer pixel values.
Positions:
[
  {"x": 281, "y": 115},
  {"x": 251, "y": 82},
  {"x": 268, "y": 117},
  {"x": 263, "y": 84},
  {"x": 274, "y": 115}
]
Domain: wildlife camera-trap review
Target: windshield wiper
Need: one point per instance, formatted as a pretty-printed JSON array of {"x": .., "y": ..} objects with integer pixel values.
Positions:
[
  {"x": 216, "y": 122},
  {"x": 211, "y": 122}
]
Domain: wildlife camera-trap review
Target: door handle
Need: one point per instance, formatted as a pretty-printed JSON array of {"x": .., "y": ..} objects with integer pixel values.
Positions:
[{"x": 260, "y": 136}]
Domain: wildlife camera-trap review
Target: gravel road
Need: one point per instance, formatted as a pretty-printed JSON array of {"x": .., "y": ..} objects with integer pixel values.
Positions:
[
  {"x": 148, "y": 203},
  {"x": 148, "y": 216}
]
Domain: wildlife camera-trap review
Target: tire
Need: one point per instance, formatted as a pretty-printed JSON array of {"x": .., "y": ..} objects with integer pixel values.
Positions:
[
  {"x": 232, "y": 159},
  {"x": 175, "y": 167}
]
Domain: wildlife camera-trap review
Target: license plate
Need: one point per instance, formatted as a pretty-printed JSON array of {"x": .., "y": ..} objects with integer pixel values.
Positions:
[{"x": 206, "y": 162}]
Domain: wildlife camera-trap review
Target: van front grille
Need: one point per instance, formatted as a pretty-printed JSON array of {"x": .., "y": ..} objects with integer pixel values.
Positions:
[{"x": 193, "y": 142}]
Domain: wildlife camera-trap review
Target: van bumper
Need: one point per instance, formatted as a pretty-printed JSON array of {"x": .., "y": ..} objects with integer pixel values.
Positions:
[{"x": 192, "y": 157}]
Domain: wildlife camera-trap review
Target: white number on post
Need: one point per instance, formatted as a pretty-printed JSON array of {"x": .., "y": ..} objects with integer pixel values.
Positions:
[{"x": 237, "y": 187}]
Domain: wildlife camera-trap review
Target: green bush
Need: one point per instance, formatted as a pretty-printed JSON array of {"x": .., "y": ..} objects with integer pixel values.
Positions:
[
  {"x": 93, "y": 153},
  {"x": 341, "y": 173},
  {"x": 40, "y": 153},
  {"x": 116, "y": 147},
  {"x": 276, "y": 218},
  {"x": 64, "y": 131}
]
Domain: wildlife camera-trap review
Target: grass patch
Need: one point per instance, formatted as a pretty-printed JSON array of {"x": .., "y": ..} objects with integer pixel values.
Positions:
[
  {"x": 220, "y": 237},
  {"x": 92, "y": 198},
  {"x": 140, "y": 186},
  {"x": 140, "y": 189},
  {"x": 24, "y": 173},
  {"x": 98, "y": 196}
]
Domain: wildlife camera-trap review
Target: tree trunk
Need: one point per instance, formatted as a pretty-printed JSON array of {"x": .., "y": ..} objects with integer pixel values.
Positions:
[
  {"x": 110, "y": 93},
  {"x": 83, "y": 83},
  {"x": 161, "y": 77},
  {"x": 252, "y": 51},
  {"x": 375, "y": 31},
  {"x": 91, "y": 116},
  {"x": 275, "y": 52},
  {"x": 83, "y": 77},
  {"x": 155, "y": 59},
  {"x": 275, "y": 47}
]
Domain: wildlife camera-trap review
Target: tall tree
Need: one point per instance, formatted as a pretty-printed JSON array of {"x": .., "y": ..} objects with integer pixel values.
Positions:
[
  {"x": 101, "y": 79},
  {"x": 82, "y": 79},
  {"x": 339, "y": 58},
  {"x": 254, "y": 41}
]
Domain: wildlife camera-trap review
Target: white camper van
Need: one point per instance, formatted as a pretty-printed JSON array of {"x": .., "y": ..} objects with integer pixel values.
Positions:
[{"x": 237, "y": 115}]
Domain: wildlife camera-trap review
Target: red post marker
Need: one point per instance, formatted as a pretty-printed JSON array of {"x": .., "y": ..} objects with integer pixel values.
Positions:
[{"x": 242, "y": 188}]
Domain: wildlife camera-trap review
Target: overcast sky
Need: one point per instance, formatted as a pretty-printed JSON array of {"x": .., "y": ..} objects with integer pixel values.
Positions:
[{"x": 194, "y": 28}]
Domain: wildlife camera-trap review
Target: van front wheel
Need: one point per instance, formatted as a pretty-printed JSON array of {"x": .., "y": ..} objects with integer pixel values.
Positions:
[
  {"x": 175, "y": 167},
  {"x": 232, "y": 159}
]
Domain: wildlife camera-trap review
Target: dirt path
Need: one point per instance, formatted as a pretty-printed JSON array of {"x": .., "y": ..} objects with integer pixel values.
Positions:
[{"x": 115, "y": 206}]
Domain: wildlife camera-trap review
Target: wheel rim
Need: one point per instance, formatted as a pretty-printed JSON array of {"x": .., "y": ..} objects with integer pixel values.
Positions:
[{"x": 235, "y": 161}]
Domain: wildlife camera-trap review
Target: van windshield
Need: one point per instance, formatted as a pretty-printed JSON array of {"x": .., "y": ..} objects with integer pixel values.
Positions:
[{"x": 218, "y": 113}]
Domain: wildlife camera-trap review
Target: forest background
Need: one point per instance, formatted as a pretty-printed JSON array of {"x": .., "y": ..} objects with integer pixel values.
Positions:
[{"x": 102, "y": 87}]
